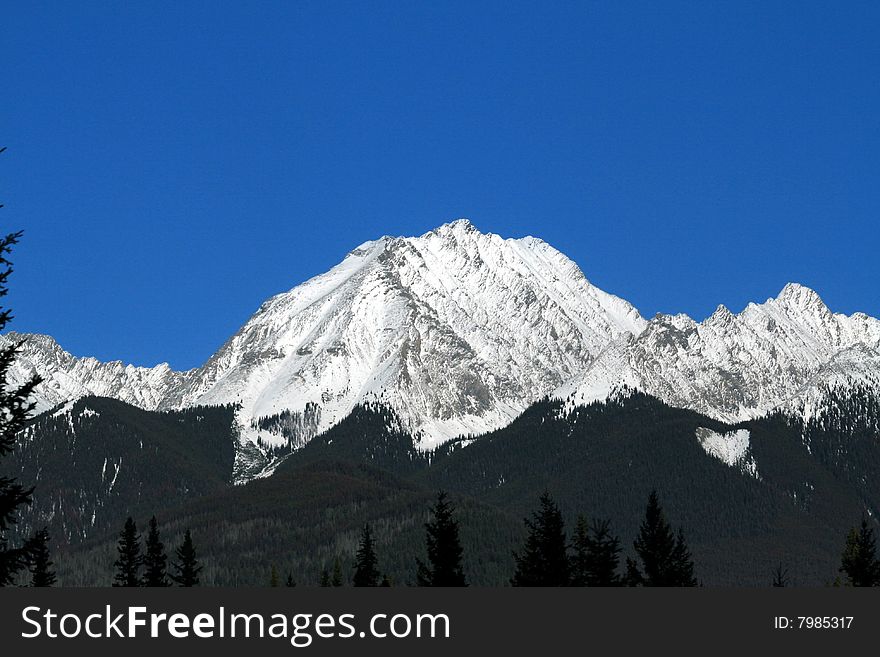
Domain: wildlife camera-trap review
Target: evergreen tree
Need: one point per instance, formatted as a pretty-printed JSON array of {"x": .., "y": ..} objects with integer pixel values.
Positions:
[
  {"x": 859, "y": 561},
  {"x": 325, "y": 577},
  {"x": 665, "y": 558},
  {"x": 366, "y": 571},
  {"x": 128, "y": 564},
  {"x": 780, "y": 577},
  {"x": 14, "y": 411},
  {"x": 290, "y": 583},
  {"x": 337, "y": 573},
  {"x": 596, "y": 555},
  {"x": 386, "y": 582},
  {"x": 40, "y": 564},
  {"x": 187, "y": 567},
  {"x": 444, "y": 548},
  {"x": 544, "y": 560},
  {"x": 273, "y": 576},
  {"x": 155, "y": 560}
]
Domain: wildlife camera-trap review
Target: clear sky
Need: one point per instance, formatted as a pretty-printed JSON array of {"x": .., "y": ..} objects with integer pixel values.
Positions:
[{"x": 175, "y": 163}]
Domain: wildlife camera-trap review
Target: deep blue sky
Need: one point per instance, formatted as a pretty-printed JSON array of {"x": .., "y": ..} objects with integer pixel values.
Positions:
[{"x": 174, "y": 164}]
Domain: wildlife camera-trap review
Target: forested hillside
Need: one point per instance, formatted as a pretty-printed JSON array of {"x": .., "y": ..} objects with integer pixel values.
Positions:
[{"x": 749, "y": 497}]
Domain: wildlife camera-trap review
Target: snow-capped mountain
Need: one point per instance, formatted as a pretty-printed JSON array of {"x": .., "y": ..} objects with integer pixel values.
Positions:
[
  {"x": 459, "y": 331},
  {"x": 456, "y": 330},
  {"x": 780, "y": 354}
]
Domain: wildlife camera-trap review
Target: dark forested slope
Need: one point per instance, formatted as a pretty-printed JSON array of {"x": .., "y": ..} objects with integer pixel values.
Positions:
[{"x": 784, "y": 491}]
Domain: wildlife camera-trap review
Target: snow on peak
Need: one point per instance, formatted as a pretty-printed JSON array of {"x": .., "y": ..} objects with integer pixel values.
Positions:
[
  {"x": 800, "y": 298},
  {"x": 66, "y": 377},
  {"x": 462, "y": 224},
  {"x": 722, "y": 316},
  {"x": 795, "y": 292}
]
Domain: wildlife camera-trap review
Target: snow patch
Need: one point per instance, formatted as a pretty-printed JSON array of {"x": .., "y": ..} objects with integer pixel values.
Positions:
[
  {"x": 731, "y": 448},
  {"x": 64, "y": 410},
  {"x": 116, "y": 467}
]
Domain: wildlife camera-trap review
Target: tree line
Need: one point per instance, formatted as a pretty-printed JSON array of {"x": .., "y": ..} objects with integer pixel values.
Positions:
[
  {"x": 132, "y": 568},
  {"x": 591, "y": 558},
  {"x": 442, "y": 566}
]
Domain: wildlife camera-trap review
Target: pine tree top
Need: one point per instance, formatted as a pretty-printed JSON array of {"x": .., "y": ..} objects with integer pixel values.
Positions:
[
  {"x": 130, "y": 560},
  {"x": 544, "y": 559},
  {"x": 186, "y": 568},
  {"x": 366, "y": 563},
  {"x": 444, "y": 567}
]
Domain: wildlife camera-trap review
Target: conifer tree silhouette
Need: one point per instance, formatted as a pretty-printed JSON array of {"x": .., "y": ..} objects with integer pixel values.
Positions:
[
  {"x": 596, "y": 554},
  {"x": 128, "y": 564},
  {"x": 444, "y": 567},
  {"x": 40, "y": 563},
  {"x": 665, "y": 558},
  {"x": 859, "y": 561},
  {"x": 15, "y": 408},
  {"x": 544, "y": 559},
  {"x": 155, "y": 560},
  {"x": 187, "y": 567},
  {"x": 366, "y": 571}
]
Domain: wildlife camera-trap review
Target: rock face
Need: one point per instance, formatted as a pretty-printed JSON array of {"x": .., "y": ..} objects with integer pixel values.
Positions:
[
  {"x": 67, "y": 377},
  {"x": 780, "y": 354},
  {"x": 457, "y": 330}
]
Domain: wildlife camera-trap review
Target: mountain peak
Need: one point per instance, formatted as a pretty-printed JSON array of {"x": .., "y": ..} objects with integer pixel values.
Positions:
[
  {"x": 461, "y": 224},
  {"x": 799, "y": 296},
  {"x": 457, "y": 227},
  {"x": 457, "y": 330},
  {"x": 722, "y": 316}
]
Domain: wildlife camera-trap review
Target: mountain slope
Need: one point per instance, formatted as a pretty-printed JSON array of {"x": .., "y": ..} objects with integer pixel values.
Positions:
[{"x": 96, "y": 460}]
